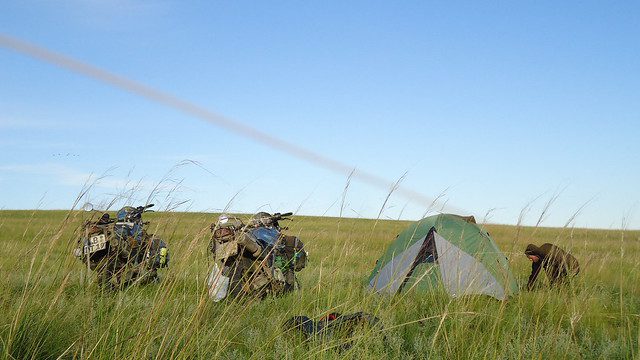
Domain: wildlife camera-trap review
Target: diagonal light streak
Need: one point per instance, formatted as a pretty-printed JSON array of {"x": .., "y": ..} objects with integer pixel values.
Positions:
[{"x": 201, "y": 113}]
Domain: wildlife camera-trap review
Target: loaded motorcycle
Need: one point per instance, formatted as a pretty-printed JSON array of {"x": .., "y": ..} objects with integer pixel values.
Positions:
[
  {"x": 256, "y": 259},
  {"x": 120, "y": 251}
]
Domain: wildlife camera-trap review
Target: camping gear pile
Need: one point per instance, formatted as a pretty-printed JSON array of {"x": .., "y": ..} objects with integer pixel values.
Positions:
[
  {"x": 334, "y": 327},
  {"x": 254, "y": 260}
]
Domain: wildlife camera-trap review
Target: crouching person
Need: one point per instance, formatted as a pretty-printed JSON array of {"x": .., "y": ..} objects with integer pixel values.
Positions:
[{"x": 558, "y": 264}]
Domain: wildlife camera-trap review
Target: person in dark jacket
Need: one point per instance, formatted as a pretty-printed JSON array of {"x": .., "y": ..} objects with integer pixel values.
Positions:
[{"x": 557, "y": 263}]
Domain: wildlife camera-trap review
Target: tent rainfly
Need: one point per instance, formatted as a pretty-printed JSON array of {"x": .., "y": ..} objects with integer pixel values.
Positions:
[{"x": 444, "y": 250}]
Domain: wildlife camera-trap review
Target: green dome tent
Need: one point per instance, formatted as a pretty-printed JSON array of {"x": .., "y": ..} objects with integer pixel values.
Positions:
[{"x": 444, "y": 250}]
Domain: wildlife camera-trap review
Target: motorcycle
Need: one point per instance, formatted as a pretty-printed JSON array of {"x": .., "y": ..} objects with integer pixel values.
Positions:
[
  {"x": 120, "y": 250},
  {"x": 256, "y": 259}
]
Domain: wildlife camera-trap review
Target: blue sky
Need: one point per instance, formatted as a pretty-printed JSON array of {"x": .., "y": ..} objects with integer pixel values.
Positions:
[{"x": 497, "y": 108}]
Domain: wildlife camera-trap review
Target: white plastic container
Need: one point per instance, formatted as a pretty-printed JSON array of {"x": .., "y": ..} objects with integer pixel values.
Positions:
[{"x": 218, "y": 284}]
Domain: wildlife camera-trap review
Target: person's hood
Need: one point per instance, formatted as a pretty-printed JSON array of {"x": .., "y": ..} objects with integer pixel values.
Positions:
[{"x": 533, "y": 250}]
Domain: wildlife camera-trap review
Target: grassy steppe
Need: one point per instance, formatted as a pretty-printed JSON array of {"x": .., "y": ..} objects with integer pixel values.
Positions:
[{"x": 51, "y": 308}]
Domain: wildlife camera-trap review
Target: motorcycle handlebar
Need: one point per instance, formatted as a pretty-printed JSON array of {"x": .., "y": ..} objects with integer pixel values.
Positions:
[
  {"x": 278, "y": 216},
  {"x": 143, "y": 208},
  {"x": 140, "y": 209}
]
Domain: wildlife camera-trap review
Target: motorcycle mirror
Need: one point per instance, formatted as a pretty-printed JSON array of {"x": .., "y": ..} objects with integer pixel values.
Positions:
[{"x": 87, "y": 207}]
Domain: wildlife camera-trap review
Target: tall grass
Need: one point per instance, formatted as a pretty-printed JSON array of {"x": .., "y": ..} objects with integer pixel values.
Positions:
[{"x": 51, "y": 307}]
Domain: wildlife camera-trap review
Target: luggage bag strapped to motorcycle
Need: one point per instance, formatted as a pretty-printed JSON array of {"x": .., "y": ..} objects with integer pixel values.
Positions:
[
  {"x": 223, "y": 243},
  {"x": 294, "y": 249},
  {"x": 158, "y": 253}
]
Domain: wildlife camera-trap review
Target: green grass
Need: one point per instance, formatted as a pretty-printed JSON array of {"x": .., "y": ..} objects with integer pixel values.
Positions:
[{"x": 51, "y": 307}]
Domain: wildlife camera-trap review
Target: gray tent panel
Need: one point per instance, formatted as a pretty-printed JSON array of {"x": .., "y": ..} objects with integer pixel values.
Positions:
[
  {"x": 463, "y": 274},
  {"x": 392, "y": 275}
]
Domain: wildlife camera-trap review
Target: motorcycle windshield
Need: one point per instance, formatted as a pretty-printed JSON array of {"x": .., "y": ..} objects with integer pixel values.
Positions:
[{"x": 266, "y": 236}]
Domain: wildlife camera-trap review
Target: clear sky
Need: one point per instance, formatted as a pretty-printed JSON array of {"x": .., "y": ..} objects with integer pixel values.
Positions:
[{"x": 498, "y": 107}]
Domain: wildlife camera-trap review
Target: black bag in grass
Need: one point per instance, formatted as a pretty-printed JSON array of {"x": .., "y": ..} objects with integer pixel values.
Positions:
[{"x": 335, "y": 327}]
